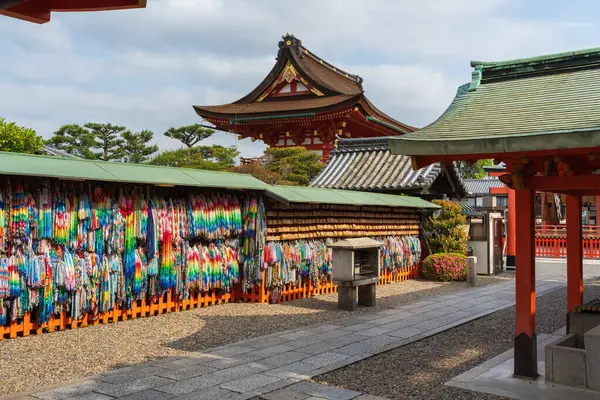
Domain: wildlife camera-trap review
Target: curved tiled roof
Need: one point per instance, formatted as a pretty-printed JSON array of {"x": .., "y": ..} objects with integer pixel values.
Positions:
[
  {"x": 338, "y": 89},
  {"x": 481, "y": 186},
  {"x": 368, "y": 164}
]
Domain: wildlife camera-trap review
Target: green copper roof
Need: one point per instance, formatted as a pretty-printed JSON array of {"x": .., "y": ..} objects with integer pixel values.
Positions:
[
  {"x": 91, "y": 170},
  {"x": 542, "y": 103},
  {"x": 71, "y": 169},
  {"x": 301, "y": 194}
]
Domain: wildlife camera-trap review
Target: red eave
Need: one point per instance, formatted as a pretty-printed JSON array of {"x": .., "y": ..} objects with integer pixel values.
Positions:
[{"x": 39, "y": 11}]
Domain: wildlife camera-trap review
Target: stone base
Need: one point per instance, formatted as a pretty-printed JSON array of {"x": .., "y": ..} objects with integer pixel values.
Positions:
[
  {"x": 366, "y": 295},
  {"x": 347, "y": 298},
  {"x": 526, "y": 357}
]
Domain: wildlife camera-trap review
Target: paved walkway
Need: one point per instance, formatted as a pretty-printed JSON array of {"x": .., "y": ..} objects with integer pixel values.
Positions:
[{"x": 266, "y": 365}]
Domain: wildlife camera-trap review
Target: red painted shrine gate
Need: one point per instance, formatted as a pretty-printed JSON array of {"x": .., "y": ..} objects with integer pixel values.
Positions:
[
  {"x": 541, "y": 117},
  {"x": 39, "y": 11},
  {"x": 303, "y": 101}
]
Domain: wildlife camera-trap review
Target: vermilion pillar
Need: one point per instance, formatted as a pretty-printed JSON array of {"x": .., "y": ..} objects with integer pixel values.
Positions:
[
  {"x": 525, "y": 340},
  {"x": 597, "y": 210},
  {"x": 511, "y": 243},
  {"x": 574, "y": 253}
]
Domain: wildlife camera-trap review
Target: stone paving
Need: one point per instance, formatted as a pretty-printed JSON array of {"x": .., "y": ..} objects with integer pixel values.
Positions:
[{"x": 278, "y": 365}]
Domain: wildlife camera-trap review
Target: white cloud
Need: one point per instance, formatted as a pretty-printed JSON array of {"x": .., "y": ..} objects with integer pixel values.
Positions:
[{"x": 145, "y": 68}]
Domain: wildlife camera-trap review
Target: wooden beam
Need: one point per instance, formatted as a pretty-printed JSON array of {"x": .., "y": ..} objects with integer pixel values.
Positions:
[
  {"x": 582, "y": 183},
  {"x": 31, "y": 11},
  {"x": 93, "y": 5},
  {"x": 574, "y": 253}
]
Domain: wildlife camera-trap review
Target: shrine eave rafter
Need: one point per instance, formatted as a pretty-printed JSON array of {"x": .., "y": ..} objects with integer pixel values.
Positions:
[
  {"x": 39, "y": 11},
  {"x": 518, "y": 143}
]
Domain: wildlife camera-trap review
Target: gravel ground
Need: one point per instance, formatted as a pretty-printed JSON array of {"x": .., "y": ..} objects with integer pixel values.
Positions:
[
  {"x": 73, "y": 354},
  {"x": 419, "y": 370}
]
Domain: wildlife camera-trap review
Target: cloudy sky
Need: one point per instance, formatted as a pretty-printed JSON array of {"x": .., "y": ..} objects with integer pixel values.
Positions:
[{"x": 145, "y": 68}]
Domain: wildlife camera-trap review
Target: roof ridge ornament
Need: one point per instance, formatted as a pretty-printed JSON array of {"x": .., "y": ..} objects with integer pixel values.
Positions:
[
  {"x": 475, "y": 78},
  {"x": 291, "y": 41}
]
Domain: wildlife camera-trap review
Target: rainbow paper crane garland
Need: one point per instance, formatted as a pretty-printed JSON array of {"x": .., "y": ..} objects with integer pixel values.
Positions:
[
  {"x": 288, "y": 262},
  {"x": 87, "y": 251}
]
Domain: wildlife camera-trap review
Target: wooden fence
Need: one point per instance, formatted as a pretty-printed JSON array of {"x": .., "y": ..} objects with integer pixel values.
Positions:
[
  {"x": 167, "y": 304},
  {"x": 556, "y": 247}
]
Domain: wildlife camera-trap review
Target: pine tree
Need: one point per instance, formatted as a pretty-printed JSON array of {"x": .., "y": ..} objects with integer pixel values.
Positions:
[
  {"x": 136, "y": 148},
  {"x": 190, "y": 135},
  {"x": 107, "y": 139},
  {"x": 75, "y": 140}
]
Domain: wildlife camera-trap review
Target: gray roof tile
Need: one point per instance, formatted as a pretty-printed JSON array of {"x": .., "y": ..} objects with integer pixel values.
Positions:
[{"x": 368, "y": 164}]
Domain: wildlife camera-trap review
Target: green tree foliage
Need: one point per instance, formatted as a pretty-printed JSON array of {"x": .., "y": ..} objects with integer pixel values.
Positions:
[
  {"x": 136, "y": 147},
  {"x": 473, "y": 171},
  {"x": 216, "y": 158},
  {"x": 75, "y": 140},
  {"x": 19, "y": 139},
  {"x": 258, "y": 171},
  {"x": 446, "y": 232},
  {"x": 190, "y": 135},
  {"x": 107, "y": 138},
  {"x": 296, "y": 165}
]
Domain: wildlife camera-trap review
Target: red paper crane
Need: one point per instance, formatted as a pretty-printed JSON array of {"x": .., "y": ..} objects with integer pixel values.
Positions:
[{"x": 39, "y": 11}]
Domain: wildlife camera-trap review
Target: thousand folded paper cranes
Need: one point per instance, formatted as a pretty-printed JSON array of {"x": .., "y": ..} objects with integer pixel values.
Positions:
[{"x": 85, "y": 251}]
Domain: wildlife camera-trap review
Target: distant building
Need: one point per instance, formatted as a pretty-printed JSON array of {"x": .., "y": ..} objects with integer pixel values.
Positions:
[{"x": 369, "y": 165}]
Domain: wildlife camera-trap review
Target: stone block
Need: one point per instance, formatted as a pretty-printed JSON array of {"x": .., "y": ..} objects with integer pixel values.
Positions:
[
  {"x": 186, "y": 373},
  {"x": 298, "y": 369},
  {"x": 129, "y": 387},
  {"x": 592, "y": 349},
  {"x": 285, "y": 394},
  {"x": 64, "y": 392},
  {"x": 227, "y": 362},
  {"x": 367, "y": 295},
  {"x": 567, "y": 363},
  {"x": 147, "y": 395},
  {"x": 249, "y": 383},
  {"x": 284, "y": 358},
  {"x": 240, "y": 371},
  {"x": 211, "y": 394},
  {"x": 347, "y": 298},
  {"x": 128, "y": 374},
  {"x": 324, "y": 391},
  {"x": 84, "y": 396},
  {"x": 324, "y": 359},
  {"x": 192, "y": 384}
]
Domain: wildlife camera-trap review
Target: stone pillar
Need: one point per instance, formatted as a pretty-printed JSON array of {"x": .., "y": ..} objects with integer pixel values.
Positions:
[
  {"x": 366, "y": 295},
  {"x": 525, "y": 339},
  {"x": 471, "y": 271},
  {"x": 347, "y": 298}
]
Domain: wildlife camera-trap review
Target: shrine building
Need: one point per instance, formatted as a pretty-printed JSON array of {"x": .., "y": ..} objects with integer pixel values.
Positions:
[
  {"x": 304, "y": 101},
  {"x": 540, "y": 117}
]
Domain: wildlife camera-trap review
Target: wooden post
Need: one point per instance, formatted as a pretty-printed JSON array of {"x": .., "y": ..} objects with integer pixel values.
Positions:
[
  {"x": 511, "y": 242},
  {"x": 574, "y": 253},
  {"x": 525, "y": 339}
]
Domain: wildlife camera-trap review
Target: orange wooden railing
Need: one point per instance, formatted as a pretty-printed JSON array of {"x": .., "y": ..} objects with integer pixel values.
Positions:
[
  {"x": 557, "y": 247},
  {"x": 167, "y": 303}
]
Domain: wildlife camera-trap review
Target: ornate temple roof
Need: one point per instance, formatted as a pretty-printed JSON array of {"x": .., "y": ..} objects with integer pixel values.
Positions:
[
  {"x": 369, "y": 165},
  {"x": 541, "y": 103},
  {"x": 322, "y": 88},
  {"x": 39, "y": 11}
]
